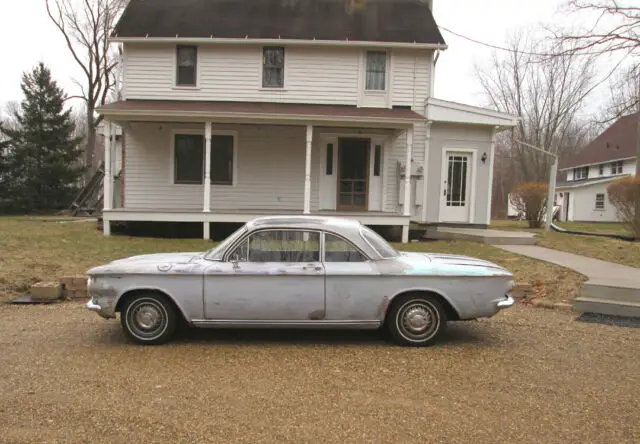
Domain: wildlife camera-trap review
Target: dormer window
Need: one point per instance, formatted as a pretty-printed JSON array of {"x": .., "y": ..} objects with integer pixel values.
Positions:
[
  {"x": 601, "y": 169},
  {"x": 581, "y": 173},
  {"x": 616, "y": 167},
  {"x": 186, "y": 65},
  {"x": 376, "y": 79},
  {"x": 273, "y": 67}
]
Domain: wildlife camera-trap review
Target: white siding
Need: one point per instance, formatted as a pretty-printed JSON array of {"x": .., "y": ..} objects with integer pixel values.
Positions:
[
  {"x": 628, "y": 167},
  {"x": 270, "y": 171},
  {"x": 583, "y": 201},
  {"x": 234, "y": 72}
]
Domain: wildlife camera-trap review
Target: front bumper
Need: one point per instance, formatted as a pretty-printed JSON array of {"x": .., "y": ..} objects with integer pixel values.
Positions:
[{"x": 106, "y": 312}]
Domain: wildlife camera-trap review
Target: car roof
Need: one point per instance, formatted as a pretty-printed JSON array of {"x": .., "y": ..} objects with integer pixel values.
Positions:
[{"x": 304, "y": 221}]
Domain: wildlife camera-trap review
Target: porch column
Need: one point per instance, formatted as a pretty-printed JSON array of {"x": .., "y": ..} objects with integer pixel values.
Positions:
[
  {"x": 492, "y": 156},
  {"x": 307, "y": 172},
  {"x": 407, "y": 185},
  {"x": 107, "y": 193},
  {"x": 206, "y": 205}
]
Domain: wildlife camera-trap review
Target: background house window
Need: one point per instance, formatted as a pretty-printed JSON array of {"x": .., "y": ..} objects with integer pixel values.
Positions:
[
  {"x": 187, "y": 62},
  {"x": 376, "y": 71},
  {"x": 599, "y": 201},
  {"x": 188, "y": 158},
  {"x": 601, "y": 169},
  {"x": 616, "y": 167},
  {"x": 273, "y": 67},
  {"x": 581, "y": 173},
  {"x": 189, "y": 154}
]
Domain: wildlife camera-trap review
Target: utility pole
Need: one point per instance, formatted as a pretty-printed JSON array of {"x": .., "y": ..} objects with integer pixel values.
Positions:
[{"x": 552, "y": 181}]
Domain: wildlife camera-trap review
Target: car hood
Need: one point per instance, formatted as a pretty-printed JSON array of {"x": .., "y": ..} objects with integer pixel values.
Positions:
[
  {"x": 447, "y": 265},
  {"x": 145, "y": 262}
]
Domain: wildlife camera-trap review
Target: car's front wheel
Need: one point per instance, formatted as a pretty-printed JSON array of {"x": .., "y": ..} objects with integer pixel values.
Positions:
[
  {"x": 148, "y": 319},
  {"x": 416, "y": 320}
]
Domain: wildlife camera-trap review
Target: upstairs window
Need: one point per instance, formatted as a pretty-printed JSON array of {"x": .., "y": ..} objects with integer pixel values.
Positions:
[
  {"x": 581, "y": 173},
  {"x": 273, "y": 67},
  {"x": 599, "y": 201},
  {"x": 187, "y": 65},
  {"x": 616, "y": 167},
  {"x": 601, "y": 169},
  {"x": 189, "y": 155},
  {"x": 376, "y": 79}
]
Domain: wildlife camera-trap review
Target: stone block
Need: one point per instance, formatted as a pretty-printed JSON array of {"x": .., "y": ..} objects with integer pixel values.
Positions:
[
  {"x": 543, "y": 303},
  {"x": 521, "y": 291},
  {"x": 74, "y": 282},
  {"x": 46, "y": 290}
]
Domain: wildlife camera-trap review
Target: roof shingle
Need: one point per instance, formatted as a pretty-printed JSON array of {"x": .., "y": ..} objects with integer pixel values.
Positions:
[
  {"x": 619, "y": 141},
  {"x": 405, "y": 21}
]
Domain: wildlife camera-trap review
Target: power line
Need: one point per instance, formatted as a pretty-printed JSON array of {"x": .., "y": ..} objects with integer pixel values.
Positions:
[{"x": 501, "y": 48}]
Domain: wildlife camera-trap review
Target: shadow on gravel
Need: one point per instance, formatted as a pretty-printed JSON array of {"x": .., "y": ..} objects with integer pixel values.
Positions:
[
  {"x": 618, "y": 321},
  {"x": 457, "y": 333}
]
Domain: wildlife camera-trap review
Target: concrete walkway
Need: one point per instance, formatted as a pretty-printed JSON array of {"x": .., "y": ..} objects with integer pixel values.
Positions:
[{"x": 610, "y": 289}]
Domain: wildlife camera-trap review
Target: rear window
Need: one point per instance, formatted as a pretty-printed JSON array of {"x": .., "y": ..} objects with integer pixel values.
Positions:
[{"x": 378, "y": 243}]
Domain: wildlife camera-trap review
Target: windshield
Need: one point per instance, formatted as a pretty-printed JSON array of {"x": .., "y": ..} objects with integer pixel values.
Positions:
[
  {"x": 378, "y": 243},
  {"x": 215, "y": 254}
]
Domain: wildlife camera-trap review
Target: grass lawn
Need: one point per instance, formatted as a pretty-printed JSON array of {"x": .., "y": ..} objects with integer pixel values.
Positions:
[
  {"x": 607, "y": 249},
  {"x": 34, "y": 249}
]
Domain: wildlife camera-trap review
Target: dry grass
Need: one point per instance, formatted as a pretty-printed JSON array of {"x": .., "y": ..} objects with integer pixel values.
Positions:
[
  {"x": 34, "y": 250},
  {"x": 607, "y": 249}
]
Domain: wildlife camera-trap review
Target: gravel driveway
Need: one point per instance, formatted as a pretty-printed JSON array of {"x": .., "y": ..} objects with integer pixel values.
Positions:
[{"x": 527, "y": 375}]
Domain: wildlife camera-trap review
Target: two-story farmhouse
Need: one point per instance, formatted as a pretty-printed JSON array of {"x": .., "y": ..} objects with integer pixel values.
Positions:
[
  {"x": 610, "y": 156},
  {"x": 233, "y": 109}
]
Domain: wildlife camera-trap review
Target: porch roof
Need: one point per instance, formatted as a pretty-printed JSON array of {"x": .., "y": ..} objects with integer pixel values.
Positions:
[{"x": 268, "y": 112}]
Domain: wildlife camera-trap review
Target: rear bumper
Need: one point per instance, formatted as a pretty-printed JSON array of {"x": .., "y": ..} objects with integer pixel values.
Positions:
[{"x": 505, "y": 303}]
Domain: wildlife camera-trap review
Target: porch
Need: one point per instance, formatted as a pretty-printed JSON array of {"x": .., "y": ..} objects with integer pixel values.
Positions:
[{"x": 280, "y": 160}]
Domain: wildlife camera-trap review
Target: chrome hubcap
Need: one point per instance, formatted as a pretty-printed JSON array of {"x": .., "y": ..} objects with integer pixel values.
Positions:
[
  {"x": 148, "y": 317},
  {"x": 417, "y": 319}
]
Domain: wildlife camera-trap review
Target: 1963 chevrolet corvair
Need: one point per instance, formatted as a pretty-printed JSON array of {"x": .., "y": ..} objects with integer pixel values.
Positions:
[{"x": 302, "y": 272}]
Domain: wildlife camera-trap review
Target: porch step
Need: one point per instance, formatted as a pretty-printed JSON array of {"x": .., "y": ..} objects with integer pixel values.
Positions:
[
  {"x": 490, "y": 237},
  {"x": 611, "y": 292},
  {"x": 606, "y": 306}
]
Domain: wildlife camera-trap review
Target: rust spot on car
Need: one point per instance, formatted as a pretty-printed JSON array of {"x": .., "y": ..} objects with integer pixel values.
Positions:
[
  {"x": 382, "y": 308},
  {"x": 317, "y": 315}
]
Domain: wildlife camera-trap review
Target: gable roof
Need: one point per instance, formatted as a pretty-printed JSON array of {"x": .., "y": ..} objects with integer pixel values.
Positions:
[
  {"x": 405, "y": 21},
  {"x": 615, "y": 143}
]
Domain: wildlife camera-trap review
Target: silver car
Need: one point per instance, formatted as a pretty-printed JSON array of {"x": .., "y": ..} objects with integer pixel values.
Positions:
[{"x": 299, "y": 272}]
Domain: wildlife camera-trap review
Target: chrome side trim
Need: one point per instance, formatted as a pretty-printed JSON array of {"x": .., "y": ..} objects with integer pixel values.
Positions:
[{"x": 206, "y": 323}]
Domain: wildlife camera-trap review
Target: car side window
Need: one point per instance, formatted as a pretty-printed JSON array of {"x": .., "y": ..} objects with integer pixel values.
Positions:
[
  {"x": 339, "y": 250},
  {"x": 288, "y": 246}
]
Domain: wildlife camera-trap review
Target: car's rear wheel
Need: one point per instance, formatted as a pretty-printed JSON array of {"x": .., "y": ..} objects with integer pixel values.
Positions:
[
  {"x": 148, "y": 319},
  {"x": 416, "y": 320}
]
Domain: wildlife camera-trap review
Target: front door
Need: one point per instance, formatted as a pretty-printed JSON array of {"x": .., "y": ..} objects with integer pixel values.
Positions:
[
  {"x": 274, "y": 275},
  {"x": 353, "y": 174},
  {"x": 456, "y": 188}
]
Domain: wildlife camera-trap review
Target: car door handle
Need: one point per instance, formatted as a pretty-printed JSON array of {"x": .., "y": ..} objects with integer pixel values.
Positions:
[{"x": 312, "y": 267}]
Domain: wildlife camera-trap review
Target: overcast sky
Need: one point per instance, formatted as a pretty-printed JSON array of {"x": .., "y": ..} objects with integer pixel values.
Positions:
[{"x": 28, "y": 37}]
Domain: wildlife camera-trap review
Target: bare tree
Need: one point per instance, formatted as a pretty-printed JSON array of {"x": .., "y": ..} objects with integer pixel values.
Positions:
[
  {"x": 616, "y": 29},
  {"x": 624, "y": 95},
  {"x": 549, "y": 93},
  {"x": 86, "y": 26}
]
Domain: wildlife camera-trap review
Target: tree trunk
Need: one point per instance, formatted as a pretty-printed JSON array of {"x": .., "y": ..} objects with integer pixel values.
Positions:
[{"x": 90, "y": 149}]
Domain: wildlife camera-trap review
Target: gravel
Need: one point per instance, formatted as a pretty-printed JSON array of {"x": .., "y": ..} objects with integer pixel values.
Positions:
[{"x": 526, "y": 375}]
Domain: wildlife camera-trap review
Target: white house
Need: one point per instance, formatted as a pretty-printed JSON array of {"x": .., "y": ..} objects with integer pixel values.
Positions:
[
  {"x": 610, "y": 156},
  {"x": 232, "y": 109}
]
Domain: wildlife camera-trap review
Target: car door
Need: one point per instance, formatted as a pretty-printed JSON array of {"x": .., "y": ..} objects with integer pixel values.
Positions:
[
  {"x": 353, "y": 288},
  {"x": 273, "y": 275}
]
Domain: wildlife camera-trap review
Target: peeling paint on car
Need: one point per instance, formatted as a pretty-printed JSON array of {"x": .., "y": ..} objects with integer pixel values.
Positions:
[{"x": 210, "y": 290}]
